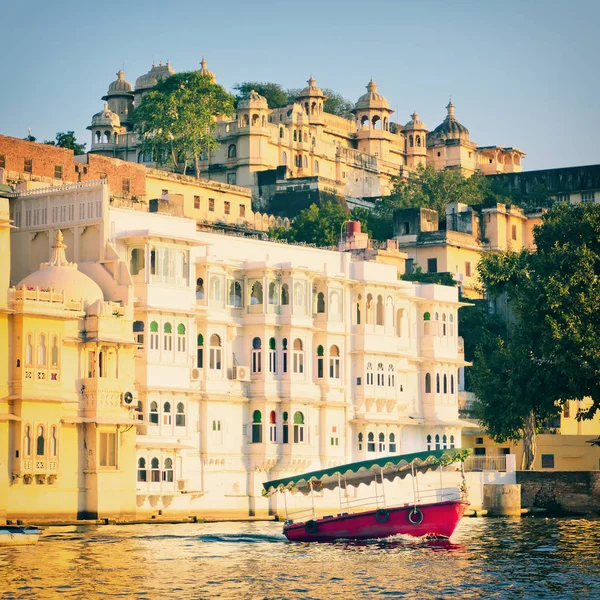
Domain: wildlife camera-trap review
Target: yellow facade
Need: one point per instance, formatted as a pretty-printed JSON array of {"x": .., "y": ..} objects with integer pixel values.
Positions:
[{"x": 67, "y": 437}]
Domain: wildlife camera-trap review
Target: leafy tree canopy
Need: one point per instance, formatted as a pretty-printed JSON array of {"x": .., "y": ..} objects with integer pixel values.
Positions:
[
  {"x": 319, "y": 225},
  {"x": 276, "y": 96},
  {"x": 419, "y": 277},
  {"x": 176, "y": 120},
  {"x": 550, "y": 351},
  {"x": 67, "y": 140}
]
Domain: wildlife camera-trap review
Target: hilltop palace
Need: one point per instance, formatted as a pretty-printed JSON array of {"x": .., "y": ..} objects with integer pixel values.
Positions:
[{"x": 264, "y": 148}]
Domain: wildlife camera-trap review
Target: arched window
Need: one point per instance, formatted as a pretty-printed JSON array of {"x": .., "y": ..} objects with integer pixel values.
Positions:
[
  {"x": 155, "y": 470},
  {"x": 418, "y": 141},
  {"x": 40, "y": 449},
  {"x": 235, "y": 294},
  {"x": 273, "y": 293},
  {"x": 272, "y": 426},
  {"x": 298, "y": 428},
  {"x": 281, "y": 133},
  {"x": 320, "y": 359},
  {"x": 200, "y": 289},
  {"x": 358, "y": 308},
  {"x": 334, "y": 362},
  {"x": 200, "y": 351},
  {"x": 445, "y": 384},
  {"x": 428, "y": 442},
  {"x": 142, "y": 473},
  {"x": 316, "y": 166},
  {"x": 54, "y": 351},
  {"x": 392, "y": 445},
  {"x": 451, "y": 441},
  {"x": 245, "y": 121},
  {"x": 42, "y": 350},
  {"x": 295, "y": 135},
  {"x": 284, "y": 158},
  {"x": 285, "y": 429},
  {"x": 215, "y": 352},
  {"x": 257, "y": 427},
  {"x": 426, "y": 316},
  {"x": 256, "y": 294},
  {"x": 215, "y": 289},
  {"x": 371, "y": 442},
  {"x": 369, "y": 309},
  {"x": 284, "y": 354},
  {"x": 437, "y": 442},
  {"x": 437, "y": 383},
  {"x": 255, "y": 120},
  {"x": 153, "y": 413},
  {"x": 138, "y": 333},
  {"x": 428, "y": 383},
  {"x": 53, "y": 442},
  {"x": 167, "y": 418},
  {"x": 382, "y": 442},
  {"x": 98, "y": 137},
  {"x": 107, "y": 137},
  {"x": 168, "y": 337},
  {"x": 369, "y": 373},
  {"x": 360, "y": 441},
  {"x": 452, "y": 384},
  {"x": 181, "y": 337},
  {"x": 272, "y": 356},
  {"x": 305, "y": 158},
  {"x": 27, "y": 441},
  {"x": 153, "y": 335},
  {"x": 380, "y": 375},
  {"x": 298, "y": 356},
  {"x": 256, "y": 355},
  {"x": 320, "y": 302},
  {"x": 391, "y": 376},
  {"x": 444, "y": 442},
  {"x": 379, "y": 310},
  {"x": 285, "y": 294},
  {"x": 231, "y": 151},
  {"x": 180, "y": 415},
  {"x": 411, "y": 141}
]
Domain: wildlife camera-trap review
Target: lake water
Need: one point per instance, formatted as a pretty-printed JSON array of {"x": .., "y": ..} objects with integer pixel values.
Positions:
[{"x": 486, "y": 558}]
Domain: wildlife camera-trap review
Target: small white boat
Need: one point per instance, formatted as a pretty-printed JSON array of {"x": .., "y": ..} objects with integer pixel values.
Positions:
[{"x": 12, "y": 535}]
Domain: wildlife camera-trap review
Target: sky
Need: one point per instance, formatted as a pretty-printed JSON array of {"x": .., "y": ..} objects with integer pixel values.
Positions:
[{"x": 521, "y": 73}]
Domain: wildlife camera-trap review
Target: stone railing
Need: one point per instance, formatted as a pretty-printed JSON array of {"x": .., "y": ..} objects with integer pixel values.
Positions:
[{"x": 62, "y": 188}]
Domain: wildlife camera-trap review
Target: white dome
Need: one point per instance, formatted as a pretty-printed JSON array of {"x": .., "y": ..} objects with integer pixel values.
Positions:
[{"x": 61, "y": 275}]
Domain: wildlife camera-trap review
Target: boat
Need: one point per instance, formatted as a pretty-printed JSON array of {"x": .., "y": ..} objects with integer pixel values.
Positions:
[
  {"x": 12, "y": 535},
  {"x": 428, "y": 512}
]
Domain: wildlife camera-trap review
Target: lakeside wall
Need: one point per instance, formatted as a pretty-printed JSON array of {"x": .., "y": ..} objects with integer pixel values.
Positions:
[{"x": 561, "y": 492}]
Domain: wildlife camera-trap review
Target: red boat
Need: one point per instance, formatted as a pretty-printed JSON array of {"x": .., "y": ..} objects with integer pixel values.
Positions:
[{"x": 434, "y": 512}]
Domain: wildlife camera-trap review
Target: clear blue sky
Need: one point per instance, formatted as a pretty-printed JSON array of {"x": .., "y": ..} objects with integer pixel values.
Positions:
[{"x": 521, "y": 73}]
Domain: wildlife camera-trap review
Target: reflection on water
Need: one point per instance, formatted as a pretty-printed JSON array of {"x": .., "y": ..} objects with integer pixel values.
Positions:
[{"x": 487, "y": 558}]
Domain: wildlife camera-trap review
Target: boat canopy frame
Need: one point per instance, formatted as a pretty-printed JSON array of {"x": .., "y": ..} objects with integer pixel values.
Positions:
[{"x": 363, "y": 472}]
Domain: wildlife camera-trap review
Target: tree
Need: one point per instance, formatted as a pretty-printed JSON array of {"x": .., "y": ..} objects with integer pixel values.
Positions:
[
  {"x": 176, "y": 120},
  {"x": 30, "y": 138},
  {"x": 319, "y": 225},
  {"x": 418, "y": 276},
  {"x": 69, "y": 141},
  {"x": 276, "y": 96},
  {"x": 337, "y": 105}
]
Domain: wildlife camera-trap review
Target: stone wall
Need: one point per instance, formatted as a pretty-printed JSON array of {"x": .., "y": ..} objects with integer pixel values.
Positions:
[{"x": 561, "y": 492}]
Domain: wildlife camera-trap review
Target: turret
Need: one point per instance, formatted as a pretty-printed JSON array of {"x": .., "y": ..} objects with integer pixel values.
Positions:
[
  {"x": 416, "y": 142},
  {"x": 312, "y": 100},
  {"x": 120, "y": 98}
]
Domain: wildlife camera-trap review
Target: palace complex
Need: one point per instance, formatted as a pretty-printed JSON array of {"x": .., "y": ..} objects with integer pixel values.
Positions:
[{"x": 301, "y": 147}]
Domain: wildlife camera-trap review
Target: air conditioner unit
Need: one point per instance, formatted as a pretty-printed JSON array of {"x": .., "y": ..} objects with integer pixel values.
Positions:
[
  {"x": 240, "y": 373},
  {"x": 195, "y": 374},
  {"x": 129, "y": 399}
]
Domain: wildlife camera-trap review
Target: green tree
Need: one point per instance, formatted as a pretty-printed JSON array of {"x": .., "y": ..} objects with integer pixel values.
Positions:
[
  {"x": 276, "y": 96},
  {"x": 418, "y": 276},
  {"x": 30, "y": 138},
  {"x": 69, "y": 141},
  {"x": 176, "y": 120},
  {"x": 320, "y": 225}
]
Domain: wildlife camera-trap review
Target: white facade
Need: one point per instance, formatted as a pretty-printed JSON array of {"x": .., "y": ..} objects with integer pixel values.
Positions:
[{"x": 259, "y": 359}]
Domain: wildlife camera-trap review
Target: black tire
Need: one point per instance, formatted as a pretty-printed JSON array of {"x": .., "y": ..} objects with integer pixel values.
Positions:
[
  {"x": 415, "y": 516},
  {"x": 382, "y": 515},
  {"x": 311, "y": 526}
]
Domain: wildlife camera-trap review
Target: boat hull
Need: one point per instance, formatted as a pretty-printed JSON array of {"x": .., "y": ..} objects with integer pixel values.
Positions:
[
  {"x": 438, "y": 519},
  {"x": 18, "y": 536}
]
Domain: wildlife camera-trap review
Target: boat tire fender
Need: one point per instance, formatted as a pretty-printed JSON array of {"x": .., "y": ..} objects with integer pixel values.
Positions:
[
  {"x": 382, "y": 515},
  {"x": 311, "y": 526},
  {"x": 415, "y": 516}
]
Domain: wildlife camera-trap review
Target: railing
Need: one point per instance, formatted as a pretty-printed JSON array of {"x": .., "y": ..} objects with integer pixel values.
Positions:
[
  {"x": 61, "y": 188},
  {"x": 486, "y": 463}
]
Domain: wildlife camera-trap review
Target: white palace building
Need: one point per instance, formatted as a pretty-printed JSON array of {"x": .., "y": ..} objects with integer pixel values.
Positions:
[{"x": 253, "y": 359}]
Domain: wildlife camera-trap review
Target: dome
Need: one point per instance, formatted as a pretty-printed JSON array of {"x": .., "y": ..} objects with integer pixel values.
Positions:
[
  {"x": 106, "y": 117},
  {"x": 204, "y": 71},
  {"x": 372, "y": 99},
  {"x": 153, "y": 76},
  {"x": 120, "y": 86},
  {"x": 450, "y": 129},
  {"x": 253, "y": 100},
  {"x": 415, "y": 123},
  {"x": 311, "y": 90},
  {"x": 61, "y": 275}
]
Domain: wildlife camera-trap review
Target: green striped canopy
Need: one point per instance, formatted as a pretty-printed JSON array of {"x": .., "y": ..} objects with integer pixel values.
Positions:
[{"x": 353, "y": 474}]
